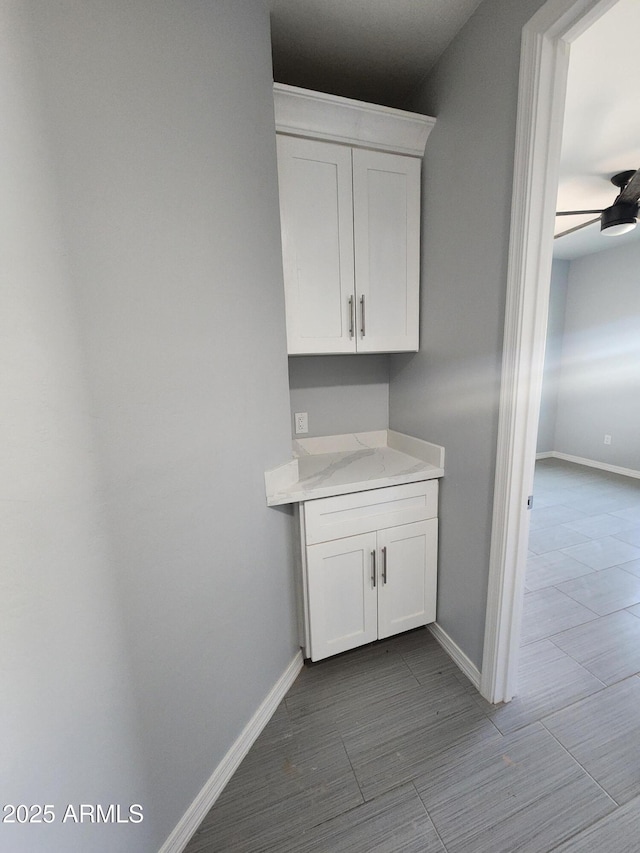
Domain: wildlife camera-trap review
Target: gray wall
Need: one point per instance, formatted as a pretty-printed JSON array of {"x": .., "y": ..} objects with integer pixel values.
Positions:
[
  {"x": 600, "y": 378},
  {"x": 552, "y": 356},
  {"x": 448, "y": 392},
  {"x": 69, "y": 727},
  {"x": 152, "y": 609},
  {"x": 340, "y": 393}
]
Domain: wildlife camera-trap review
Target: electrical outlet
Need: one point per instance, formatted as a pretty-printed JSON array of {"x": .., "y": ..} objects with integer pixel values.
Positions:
[
  {"x": 301, "y": 422},
  {"x": 607, "y": 439}
]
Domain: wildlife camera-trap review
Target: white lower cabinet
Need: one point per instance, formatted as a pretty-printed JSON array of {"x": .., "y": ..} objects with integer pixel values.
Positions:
[{"x": 375, "y": 583}]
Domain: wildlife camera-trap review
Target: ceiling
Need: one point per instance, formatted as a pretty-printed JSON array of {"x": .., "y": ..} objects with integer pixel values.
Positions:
[
  {"x": 601, "y": 134},
  {"x": 381, "y": 50},
  {"x": 371, "y": 50}
]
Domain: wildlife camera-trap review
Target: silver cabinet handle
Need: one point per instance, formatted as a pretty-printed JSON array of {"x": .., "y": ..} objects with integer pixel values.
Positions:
[
  {"x": 373, "y": 568},
  {"x": 384, "y": 564},
  {"x": 362, "y": 315},
  {"x": 351, "y": 316}
]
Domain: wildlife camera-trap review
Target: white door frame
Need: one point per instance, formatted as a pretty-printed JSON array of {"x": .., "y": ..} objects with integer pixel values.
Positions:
[{"x": 543, "y": 74}]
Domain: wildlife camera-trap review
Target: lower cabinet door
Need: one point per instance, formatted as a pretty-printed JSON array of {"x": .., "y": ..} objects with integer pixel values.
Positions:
[
  {"x": 407, "y": 576},
  {"x": 342, "y": 590}
]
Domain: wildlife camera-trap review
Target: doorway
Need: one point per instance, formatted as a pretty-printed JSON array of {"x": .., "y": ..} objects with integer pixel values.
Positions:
[{"x": 543, "y": 74}]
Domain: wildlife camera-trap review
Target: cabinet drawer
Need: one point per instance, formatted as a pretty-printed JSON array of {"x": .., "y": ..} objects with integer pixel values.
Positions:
[{"x": 362, "y": 512}]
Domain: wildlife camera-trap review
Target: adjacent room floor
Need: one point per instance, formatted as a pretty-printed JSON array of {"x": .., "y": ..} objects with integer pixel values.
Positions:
[{"x": 389, "y": 748}]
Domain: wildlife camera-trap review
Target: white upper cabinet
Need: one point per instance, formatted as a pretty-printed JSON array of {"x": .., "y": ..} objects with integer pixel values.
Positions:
[{"x": 349, "y": 176}]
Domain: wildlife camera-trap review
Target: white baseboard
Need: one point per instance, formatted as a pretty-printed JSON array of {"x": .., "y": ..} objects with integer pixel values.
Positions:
[
  {"x": 591, "y": 463},
  {"x": 456, "y": 654},
  {"x": 214, "y": 786}
]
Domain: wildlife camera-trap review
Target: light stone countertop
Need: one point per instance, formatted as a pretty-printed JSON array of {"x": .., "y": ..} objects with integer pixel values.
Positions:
[{"x": 340, "y": 464}]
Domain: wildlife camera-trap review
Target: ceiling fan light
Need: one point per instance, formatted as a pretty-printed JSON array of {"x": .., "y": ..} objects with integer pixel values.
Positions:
[
  {"x": 617, "y": 230},
  {"x": 619, "y": 219}
]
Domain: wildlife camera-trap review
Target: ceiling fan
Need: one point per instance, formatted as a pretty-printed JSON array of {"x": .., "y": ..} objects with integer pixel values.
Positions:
[{"x": 622, "y": 216}]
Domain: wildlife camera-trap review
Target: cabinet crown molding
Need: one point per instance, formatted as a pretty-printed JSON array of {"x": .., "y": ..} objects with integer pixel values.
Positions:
[{"x": 317, "y": 115}]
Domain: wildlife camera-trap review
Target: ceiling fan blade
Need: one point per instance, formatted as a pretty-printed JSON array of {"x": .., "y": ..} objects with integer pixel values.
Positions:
[
  {"x": 575, "y": 212},
  {"x": 576, "y": 228},
  {"x": 631, "y": 191}
]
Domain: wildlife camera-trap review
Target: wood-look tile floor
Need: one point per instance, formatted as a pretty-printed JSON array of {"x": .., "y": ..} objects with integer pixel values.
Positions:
[{"x": 389, "y": 749}]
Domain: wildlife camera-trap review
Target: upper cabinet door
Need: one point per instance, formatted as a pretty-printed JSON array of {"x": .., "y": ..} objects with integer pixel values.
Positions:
[
  {"x": 316, "y": 210},
  {"x": 386, "y": 200}
]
